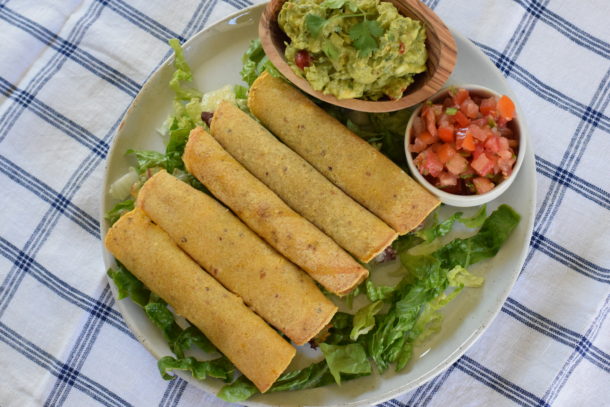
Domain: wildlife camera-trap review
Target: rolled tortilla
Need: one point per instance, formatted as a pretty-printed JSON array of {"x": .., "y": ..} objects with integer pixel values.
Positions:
[
  {"x": 241, "y": 335},
  {"x": 273, "y": 287},
  {"x": 300, "y": 185},
  {"x": 344, "y": 158},
  {"x": 261, "y": 209}
]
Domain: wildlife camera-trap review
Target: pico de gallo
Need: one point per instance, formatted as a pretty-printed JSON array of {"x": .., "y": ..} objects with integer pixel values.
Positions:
[{"x": 465, "y": 143}]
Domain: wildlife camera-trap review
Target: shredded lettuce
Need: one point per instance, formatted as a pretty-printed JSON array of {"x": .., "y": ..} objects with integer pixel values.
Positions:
[
  {"x": 255, "y": 62},
  {"x": 348, "y": 359},
  {"x": 364, "y": 320},
  {"x": 119, "y": 210},
  {"x": 220, "y": 368}
]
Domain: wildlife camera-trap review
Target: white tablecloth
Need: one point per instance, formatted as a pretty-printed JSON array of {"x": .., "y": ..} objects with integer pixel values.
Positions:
[{"x": 68, "y": 71}]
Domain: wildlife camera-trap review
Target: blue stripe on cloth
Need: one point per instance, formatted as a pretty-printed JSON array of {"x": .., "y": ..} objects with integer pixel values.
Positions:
[
  {"x": 27, "y": 265},
  {"x": 76, "y": 358},
  {"x": 577, "y": 184},
  {"x": 575, "y": 34},
  {"x": 59, "y": 369},
  {"x": 423, "y": 395},
  {"x": 9, "y": 118},
  {"x": 569, "y": 259},
  {"x": 54, "y": 118},
  {"x": 557, "y": 332},
  {"x": 141, "y": 20},
  {"x": 519, "y": 38},
  {"x": 70, "y": 50},
  {"x": 172, "y": 392},
  {"x": 239, "y": 4},
  {"x": 47, "y": 194},
  {"x": 579, "y": 353},
  {"x": 549, "y": 94},
  {"x": 498, "y": 383}
]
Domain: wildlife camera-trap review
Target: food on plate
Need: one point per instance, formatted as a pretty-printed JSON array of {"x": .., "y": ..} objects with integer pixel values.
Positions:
[
  {"x": 465, "y": 141},
  {"x": 274, "y": 288},
  {"x": 344, "y": 158},
  {"x": 354, "y": 48},
  {"x": 254, "y": 347},
  {"x": 263, "y": 211},
  {"x": 300, "y": 185}
]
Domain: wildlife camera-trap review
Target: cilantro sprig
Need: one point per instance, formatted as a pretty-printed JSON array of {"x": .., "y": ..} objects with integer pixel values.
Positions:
[{"x": 363, "y": 34}]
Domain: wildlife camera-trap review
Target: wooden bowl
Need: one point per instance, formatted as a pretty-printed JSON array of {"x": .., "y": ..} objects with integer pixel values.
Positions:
[{"x": 442, "y": 54}]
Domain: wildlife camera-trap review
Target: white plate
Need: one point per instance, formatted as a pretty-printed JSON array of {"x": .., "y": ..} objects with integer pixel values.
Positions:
[{"x": 215, "y": 57}]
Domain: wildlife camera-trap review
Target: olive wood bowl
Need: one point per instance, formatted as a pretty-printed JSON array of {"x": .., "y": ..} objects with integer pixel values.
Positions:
[{"x": 440, "y": 44}]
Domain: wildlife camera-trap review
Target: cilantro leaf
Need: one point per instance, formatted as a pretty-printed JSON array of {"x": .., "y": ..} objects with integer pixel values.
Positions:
[
  {"x": 364, "y": 36},
  {"x": 314, "y": 24},
  {"x": 330, "y": 50}
]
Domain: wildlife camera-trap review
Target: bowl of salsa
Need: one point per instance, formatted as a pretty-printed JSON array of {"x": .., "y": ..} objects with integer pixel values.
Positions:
[{"x": 465, "y": 144}]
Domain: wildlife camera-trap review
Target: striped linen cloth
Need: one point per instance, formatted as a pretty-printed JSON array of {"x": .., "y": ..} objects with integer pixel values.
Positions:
[{"x": 68, "y": 71}]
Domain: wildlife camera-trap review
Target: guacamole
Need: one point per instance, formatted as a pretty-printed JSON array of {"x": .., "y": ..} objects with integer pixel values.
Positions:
[{"x": 353, "y": 48}]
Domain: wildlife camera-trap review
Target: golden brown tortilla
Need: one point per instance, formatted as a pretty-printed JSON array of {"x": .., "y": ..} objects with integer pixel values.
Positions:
[
  {"x": 151, "y": 255},
  {"x": 300, "y": 185},
  {"x": 273, "y": 287},
  {"x": 261, "y": 209},
  {"x": 344, "y": 158}
]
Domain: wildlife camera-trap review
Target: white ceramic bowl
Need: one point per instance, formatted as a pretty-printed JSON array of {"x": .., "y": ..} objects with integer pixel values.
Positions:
[{"x": 467, "y": 200}]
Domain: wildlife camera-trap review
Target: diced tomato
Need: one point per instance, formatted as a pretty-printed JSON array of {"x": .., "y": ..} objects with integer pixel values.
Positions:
[
  {"x": 482, "y": 165},
  {"x": 430, "y": 120},
  {"x": 302, "y": 59},
  {"x": 478, "y": 150},
  {"x": 445, "y": 152},
  {"x": 488, "y": 106},
  {"x": 427, "y": 162},
  {"x": 503, "y": 143},
  {"x": 506, "y": 165},
  {"x": 461, "y": 96},
  {"x": 478, "y": 132},
  {"x": 482, "y": 185},
  {"x": 457, "y": 164},
  {"x": 418, "y": 125},
  {"x": 506, "y": 108},
  {"x": 492, "y": 144},
  {"x": 445, "y": 133},
  {"x": 427, "y": 138},
  {"x": 470, "y": 109},
  {"x": 461, "y": 119},
  {"x": 418, "y": 146},
  {"x": 464, "y": 140},
  {"x": 401, "y": 48},
  {"x": 446, "y": 179}
]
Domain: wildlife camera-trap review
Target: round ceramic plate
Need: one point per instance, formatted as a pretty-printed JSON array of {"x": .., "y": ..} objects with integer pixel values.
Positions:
[{"x": 215, "y": 57}]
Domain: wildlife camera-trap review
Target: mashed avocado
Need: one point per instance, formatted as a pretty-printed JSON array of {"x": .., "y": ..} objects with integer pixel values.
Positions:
[{"x": 353, "y": 48}]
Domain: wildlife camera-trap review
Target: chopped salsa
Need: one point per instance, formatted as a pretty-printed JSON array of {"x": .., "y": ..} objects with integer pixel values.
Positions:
[{"x": 466, "y": 142}]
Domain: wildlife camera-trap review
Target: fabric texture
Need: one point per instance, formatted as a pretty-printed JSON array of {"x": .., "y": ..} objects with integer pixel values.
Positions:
[{"x": 68, "y": 72}]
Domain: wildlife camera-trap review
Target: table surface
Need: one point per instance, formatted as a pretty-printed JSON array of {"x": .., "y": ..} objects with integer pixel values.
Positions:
[{"x": 70, "y": 69}]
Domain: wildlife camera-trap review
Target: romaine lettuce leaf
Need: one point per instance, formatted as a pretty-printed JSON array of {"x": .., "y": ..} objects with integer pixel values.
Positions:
[
  {"x": 220, "y": 368},
  {"x": 349, "y": 359},
  {"x": 119, "y": 210}
]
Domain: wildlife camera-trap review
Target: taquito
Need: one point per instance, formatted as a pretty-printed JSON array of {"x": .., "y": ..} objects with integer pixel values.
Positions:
[
  {"x": 266, "y": 214},
  {"x": 277, "y": 290},
  {"x": 344, "y": 158},
  {"x": 257, "y": 350}
]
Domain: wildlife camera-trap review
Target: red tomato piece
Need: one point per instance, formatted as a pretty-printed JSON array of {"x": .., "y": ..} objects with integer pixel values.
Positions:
[
  {"x": 427, "y": 138},
  {"x": 470, "y": 109},
  {"x": 445, "y": 152},
  {"x": 461, "y": 119},
  {"x": 482, "y": 185},
  {"x": 430, "y": 120},
  {"x": 488, "y": 106},
  {"x": 457, "y": 164},
  {"x": 492, "y": 144},
  {"x": 429, "y": 163},
  {"x": 506, "y": 108},
  {"x": 461, "y": 96},
  {"x": 464, "y": 141},
  {"x": 418, "y": 125},
  {"x": 445, "y": 133},
  {"x": 418, "y": 146},
  {"x": 482, "y": 165},
  {"x": 302, "y": 59},
  {"x": 478, "y": 132},
  {"x": 446, "y": 179}
]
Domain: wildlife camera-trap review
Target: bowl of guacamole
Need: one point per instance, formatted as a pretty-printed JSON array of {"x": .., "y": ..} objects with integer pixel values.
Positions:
[
  {"x": 353, "y": 48},
  {"x": 367, "y": 55}
]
